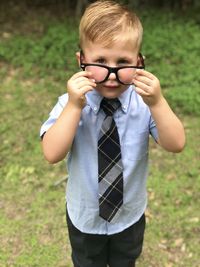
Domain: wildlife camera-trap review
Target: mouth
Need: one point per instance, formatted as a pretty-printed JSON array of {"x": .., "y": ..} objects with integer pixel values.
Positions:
[{"x": 111, "y": 86}]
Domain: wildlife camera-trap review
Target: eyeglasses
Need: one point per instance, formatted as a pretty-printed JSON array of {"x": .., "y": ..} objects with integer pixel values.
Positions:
[{"x": 101, "y": 73}]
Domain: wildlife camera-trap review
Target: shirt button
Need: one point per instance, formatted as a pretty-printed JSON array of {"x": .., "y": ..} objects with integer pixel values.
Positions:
[
  {"x": 124, "y": 106},
  {"x": 95, "y": 108}
]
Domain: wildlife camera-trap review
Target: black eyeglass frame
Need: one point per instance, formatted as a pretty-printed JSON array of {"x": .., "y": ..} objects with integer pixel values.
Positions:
[{"x": 112, "y": 69}]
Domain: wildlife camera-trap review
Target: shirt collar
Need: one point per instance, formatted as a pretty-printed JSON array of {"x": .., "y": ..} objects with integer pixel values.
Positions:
[
  {"x": 94, "y": 99},
  {"x": 124, "y": 98}
]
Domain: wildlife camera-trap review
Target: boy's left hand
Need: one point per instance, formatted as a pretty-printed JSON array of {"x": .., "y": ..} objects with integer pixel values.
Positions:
[{"x": 148, "y": 87}]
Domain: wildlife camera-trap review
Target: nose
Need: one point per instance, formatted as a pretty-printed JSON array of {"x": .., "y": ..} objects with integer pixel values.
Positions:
[{"x": 112, "y": 76}]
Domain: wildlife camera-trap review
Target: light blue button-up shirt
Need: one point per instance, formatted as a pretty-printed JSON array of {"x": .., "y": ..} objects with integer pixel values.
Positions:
[{"x": 134, "y": 124}]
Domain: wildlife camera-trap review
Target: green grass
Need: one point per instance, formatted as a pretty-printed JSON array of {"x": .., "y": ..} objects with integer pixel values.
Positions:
[
  {"x": 34, "y": 69},
  {"x": 171, "y": 47},
  {"x": 174, "y": 204}
]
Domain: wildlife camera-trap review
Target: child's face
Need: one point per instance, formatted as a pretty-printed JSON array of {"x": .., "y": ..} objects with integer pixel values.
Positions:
[{"x": 118, "y": 55}]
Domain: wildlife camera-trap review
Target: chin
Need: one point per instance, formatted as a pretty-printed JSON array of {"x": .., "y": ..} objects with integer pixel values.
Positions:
[{"x": 110, "y": 93}]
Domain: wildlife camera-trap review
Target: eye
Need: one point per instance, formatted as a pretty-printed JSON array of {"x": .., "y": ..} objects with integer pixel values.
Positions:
[
  {"x": 123, "y": 61},
  {"x": 100, "y": 60}
]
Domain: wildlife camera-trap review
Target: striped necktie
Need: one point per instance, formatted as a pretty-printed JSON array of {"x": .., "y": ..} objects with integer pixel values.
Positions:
[{"x": 110, "y": 170}]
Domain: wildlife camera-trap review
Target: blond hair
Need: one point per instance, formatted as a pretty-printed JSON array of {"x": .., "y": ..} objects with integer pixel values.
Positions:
[{"x": 108, "y": 22}]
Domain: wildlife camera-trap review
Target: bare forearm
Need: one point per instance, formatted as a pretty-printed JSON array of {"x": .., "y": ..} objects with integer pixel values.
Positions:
[
  {"x": 170, "y": 129},
  {"x": 58, "y": 139}
]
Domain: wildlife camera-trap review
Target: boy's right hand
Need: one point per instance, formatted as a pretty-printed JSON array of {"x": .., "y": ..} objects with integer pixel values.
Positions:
[{"x": 77, "y": 86}]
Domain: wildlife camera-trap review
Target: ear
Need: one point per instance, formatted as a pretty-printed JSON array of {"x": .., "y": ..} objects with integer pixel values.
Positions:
[
  {"x": 140, "y": 60},
  {"x": 78, "y": 55}
]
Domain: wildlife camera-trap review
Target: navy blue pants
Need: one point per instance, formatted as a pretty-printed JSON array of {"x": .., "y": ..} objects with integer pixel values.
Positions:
[{"x": 117, "y": 250}]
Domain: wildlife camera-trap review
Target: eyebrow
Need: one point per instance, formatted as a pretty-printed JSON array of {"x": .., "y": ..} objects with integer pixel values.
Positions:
[
  {"x": 124, "y": 59},
  {"x": 128, "y": 59}
]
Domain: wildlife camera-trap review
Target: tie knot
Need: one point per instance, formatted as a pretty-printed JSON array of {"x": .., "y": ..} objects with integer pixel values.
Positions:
[{"x": 109, "y": 106}]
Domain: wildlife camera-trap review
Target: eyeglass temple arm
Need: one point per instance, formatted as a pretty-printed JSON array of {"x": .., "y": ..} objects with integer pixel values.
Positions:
[{"x": 141, "y": 60}]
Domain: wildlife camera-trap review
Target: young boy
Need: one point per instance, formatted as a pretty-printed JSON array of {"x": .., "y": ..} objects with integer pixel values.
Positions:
[{"x": 102, "y": 125}]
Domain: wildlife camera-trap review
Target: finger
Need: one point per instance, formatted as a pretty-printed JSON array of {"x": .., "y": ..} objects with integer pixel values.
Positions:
[
  {"x": 142, "y": 86},
  {"x": 81, "y": 84},
  {"x": 141, "y": 92},
  {"x": 84, "y": 79},
  {"x": 81, "y": 74},
  {"x": 145, "y": 73},
  {"x": 143, "y": 79},
  {"x": 86, "y": 89}
]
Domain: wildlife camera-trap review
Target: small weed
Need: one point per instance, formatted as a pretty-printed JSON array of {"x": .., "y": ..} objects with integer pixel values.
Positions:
[{"x": 33, "y": 71}]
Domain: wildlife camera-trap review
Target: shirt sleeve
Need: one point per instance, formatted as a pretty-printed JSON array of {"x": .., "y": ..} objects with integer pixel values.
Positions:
[
  {"x": 54, "y": 114},
  {"x": 153, "y": 129}
]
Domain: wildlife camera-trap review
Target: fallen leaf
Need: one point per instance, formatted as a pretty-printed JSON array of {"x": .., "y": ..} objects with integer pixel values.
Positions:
[
  {"x": 194, "y": 219},
  {"x": 183, "y": 247},
  {"x": 178, "y": 242}
]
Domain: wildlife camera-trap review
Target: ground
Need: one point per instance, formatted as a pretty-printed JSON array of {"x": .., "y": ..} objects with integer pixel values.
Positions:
[{"x": 32, "y": 204}]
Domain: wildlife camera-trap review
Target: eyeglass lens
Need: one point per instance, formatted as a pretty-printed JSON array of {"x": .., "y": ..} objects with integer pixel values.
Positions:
[{"x": 100, "y": 73}]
